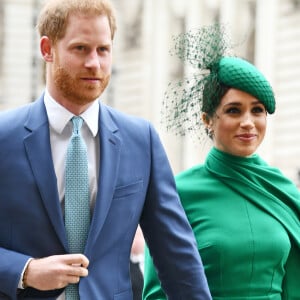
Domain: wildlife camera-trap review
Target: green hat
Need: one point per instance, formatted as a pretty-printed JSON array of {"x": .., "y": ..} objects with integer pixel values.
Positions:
[
  {"x": 208, "y": 51},
  {"x": 238, "y": 73}
]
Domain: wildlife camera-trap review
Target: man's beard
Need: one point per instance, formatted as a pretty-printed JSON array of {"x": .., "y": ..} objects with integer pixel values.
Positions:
[{"x": 77, "y": 91}]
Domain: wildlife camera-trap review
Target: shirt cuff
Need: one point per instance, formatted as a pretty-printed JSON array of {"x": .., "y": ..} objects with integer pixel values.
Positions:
[{"x": 20, "y": 285}]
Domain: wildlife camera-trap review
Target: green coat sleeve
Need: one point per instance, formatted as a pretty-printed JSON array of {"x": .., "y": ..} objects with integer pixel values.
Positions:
[
  {"x": 152, "y": 289},
  {"x": 291, "y": 286}
]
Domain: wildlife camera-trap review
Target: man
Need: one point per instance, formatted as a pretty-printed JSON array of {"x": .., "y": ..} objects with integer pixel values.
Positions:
[{"x": 129, "y": 178}]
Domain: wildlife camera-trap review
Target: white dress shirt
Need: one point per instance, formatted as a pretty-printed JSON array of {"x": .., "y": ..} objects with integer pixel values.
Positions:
[{"x": 60, "y": 128}]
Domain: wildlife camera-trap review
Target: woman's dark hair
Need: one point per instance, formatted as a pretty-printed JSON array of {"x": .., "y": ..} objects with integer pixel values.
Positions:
[{"x": 213, "y": 92}]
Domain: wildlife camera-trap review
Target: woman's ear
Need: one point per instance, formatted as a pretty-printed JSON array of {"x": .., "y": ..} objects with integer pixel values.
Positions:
[
  {"x": 205, "y": 119},
  {"x": 46, "y": 49}
]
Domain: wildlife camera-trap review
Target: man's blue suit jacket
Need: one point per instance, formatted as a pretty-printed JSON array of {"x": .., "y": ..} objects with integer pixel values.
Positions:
[{"x": 135, "y": 186}]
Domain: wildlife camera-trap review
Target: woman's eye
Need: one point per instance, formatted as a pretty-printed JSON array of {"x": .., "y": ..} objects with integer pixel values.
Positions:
[
  {"x": 232, "y": 110},
  {"x": 258, "y": 110}
]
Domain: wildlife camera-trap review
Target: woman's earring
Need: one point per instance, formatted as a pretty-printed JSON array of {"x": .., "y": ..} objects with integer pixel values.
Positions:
[{"x": 210, "y": 132}]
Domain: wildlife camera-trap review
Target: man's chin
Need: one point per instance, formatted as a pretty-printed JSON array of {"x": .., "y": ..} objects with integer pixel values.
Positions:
[{"x": 90, "y": 95}]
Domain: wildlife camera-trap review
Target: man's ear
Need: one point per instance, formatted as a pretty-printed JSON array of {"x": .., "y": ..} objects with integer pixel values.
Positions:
[{"x": 46, "y": 49}]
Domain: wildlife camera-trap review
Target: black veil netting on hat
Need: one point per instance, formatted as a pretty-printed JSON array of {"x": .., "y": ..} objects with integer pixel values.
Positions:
[{"x": 184, "y": 100}]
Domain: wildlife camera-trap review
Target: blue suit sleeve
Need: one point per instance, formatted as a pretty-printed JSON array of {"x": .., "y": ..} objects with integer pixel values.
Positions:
[
  {"x": 11, "y": 267},
  {"x": 168, "y": 234}
]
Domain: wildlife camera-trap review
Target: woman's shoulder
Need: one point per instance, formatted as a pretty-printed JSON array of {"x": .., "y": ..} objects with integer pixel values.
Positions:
[
  {"x": 191, "y": 175},
  {"x": 195, "y": 179}
]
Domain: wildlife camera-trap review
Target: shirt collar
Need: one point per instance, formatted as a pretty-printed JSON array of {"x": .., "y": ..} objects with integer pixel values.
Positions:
[{"x": 59, "y": 116}]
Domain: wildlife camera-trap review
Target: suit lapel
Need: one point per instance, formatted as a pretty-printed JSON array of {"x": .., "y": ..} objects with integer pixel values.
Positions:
[
  {"x": 110, "y": 145},
  {"x": 38, "y": 149}
]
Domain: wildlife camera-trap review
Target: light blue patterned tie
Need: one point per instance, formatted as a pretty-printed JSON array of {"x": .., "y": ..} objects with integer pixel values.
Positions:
[{"x": 77, "y": 204}]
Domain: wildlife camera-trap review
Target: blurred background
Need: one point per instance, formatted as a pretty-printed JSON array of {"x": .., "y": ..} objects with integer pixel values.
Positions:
[{"x": 270, "y": 35}]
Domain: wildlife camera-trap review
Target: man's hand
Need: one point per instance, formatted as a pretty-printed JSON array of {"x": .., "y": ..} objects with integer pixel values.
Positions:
[{"x": 56, "y": 272}]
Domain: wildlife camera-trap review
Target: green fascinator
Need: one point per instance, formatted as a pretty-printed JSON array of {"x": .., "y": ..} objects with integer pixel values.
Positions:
[
  {"x": 214, "y": 70},
  {"x": 240, "y": 74}
]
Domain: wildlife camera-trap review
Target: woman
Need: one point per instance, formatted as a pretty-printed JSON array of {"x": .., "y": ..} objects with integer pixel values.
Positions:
[{"x": 244, "y": 213}]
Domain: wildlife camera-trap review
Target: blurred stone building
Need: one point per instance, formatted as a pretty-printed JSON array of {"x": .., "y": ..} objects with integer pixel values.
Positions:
[{"x": 269, "y": 29}]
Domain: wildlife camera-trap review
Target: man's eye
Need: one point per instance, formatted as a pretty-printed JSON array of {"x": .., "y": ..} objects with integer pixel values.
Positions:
[
  {"x": 103, "y": 49},
  {"x": 80, "y": 48}
]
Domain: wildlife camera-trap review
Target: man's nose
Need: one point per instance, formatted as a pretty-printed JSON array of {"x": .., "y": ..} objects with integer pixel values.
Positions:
[{"x": 93, "y": 60}]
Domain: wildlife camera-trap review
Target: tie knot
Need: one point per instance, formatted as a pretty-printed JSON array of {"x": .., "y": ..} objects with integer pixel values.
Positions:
[{"x": 77, "y": 123}]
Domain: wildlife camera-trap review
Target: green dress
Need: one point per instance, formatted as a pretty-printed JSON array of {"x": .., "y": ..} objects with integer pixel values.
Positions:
[{"x": 245, "y": 217}]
